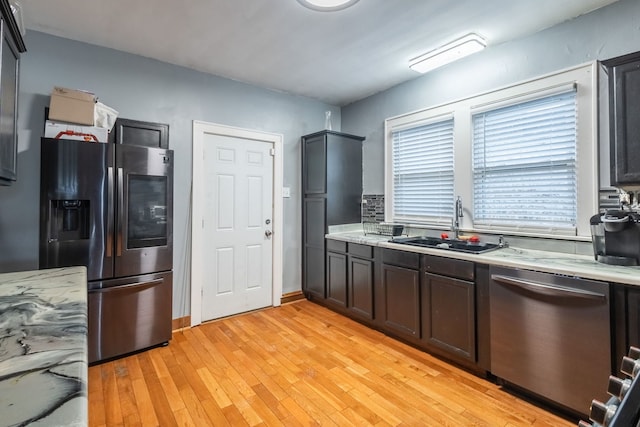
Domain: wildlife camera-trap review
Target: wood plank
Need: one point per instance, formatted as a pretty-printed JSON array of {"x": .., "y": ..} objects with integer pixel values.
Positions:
[
  {"x": 159, "y": 399},
  {"x": 97, "y": 416},
  {"x": 143, "y": 403},
  {"x": 113, "y": 413},
  {"x": 126, "y": 395}
]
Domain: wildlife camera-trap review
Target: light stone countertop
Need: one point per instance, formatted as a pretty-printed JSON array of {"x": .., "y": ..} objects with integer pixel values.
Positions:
[
  {"x": 546, "y": 261},
  {"x": 43, "y": 348}
]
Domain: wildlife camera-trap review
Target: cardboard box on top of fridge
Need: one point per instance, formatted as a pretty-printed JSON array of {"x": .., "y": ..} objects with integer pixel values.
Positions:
[
  {"x": 59, "y": 130},
  {"x": 72, "y": 106}
]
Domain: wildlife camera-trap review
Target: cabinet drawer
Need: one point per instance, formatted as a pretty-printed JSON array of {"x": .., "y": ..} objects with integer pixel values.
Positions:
[
  {"x": 336, "y": 245},
  {"x": 362, "y": 251},
  {"x": 401, "y": 258},
  {"x": 451, "y": 267}
]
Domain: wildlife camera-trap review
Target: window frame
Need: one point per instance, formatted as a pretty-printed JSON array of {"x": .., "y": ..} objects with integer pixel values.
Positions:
[{"x": 584, "y": 77}]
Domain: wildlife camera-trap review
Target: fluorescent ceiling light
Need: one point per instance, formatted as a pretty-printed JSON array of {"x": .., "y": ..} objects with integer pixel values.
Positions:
[
  {"x": 453, "y": 51},
  {"x": 327, "y": 5}
]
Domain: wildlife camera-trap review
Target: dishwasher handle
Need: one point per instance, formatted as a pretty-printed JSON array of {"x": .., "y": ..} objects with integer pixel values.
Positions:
[{"x": 546, "y": 289}]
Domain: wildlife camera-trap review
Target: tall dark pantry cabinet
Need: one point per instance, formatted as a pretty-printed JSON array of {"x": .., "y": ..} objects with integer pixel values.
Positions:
[{"x": 331, "y": 195}]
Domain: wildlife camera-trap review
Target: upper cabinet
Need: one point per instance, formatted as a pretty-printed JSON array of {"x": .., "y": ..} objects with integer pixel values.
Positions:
[
  {"x": 624, "y": 119},
  {"x": 332, "y": 168},
  {"x": 11, "y": 48},
  {"x": 137, "y": 132}
]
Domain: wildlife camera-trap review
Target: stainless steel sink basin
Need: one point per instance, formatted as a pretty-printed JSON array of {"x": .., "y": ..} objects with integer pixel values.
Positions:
[{"x": 447, "y": 244}]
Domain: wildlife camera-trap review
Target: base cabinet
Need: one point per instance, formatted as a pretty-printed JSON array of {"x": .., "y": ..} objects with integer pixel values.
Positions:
[
  {"x": 350, "y": 279},
  {"x": 400, "y": 280},
  {"x": 626, "y": 300},
  {"x": 438, "y": 304},
  {"x": 448, "y": 315},
  {"x": 337, "y": 279},
  {"x": 449, "y": 307},
  {"x": 361, "y": 287}
]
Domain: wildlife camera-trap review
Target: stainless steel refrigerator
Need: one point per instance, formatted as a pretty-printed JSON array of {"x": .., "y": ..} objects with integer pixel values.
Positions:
[{"x": 109, "y": 207}]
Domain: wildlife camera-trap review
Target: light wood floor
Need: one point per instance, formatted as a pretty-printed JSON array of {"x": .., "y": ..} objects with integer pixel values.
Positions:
[{"x": 296, "y": 365}]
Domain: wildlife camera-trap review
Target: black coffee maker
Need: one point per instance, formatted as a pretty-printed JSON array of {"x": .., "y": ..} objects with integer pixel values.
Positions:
[{"x": 616, "y": 237}]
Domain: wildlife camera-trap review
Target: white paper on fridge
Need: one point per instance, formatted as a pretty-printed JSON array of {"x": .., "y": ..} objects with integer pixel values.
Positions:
[{"x": 60, "y": 130}]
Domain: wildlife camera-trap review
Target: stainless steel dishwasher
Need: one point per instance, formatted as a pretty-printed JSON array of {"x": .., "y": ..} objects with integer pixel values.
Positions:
[{"x": 550, "y": 335}]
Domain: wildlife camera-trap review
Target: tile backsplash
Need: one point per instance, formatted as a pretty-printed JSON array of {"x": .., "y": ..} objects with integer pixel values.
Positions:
[{"x": 372, "y": 207}]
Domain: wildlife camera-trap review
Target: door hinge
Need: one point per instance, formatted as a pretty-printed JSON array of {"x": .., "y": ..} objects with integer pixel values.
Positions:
[{"x": 272, "y": 151}]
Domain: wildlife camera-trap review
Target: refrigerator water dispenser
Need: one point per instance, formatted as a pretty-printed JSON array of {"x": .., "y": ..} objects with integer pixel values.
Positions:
[{"x": 69, "y": 220}]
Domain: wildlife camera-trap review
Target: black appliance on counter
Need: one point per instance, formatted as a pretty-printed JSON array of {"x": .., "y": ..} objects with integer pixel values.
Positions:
[
  {"x": 616, "y": 237},
  {"x": 109, "y": 207}
]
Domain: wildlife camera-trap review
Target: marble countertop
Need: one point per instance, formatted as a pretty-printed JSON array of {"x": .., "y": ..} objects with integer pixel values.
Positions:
[
  {"x": 43, "y": 348},
  {"x": 551, "y": 262}
]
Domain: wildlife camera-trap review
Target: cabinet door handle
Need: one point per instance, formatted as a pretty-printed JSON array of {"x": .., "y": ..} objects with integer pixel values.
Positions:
[{"x": 546, "y": 289}]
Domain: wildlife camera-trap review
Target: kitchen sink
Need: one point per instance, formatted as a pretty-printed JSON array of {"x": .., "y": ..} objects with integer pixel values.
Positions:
[{"x": 456, "y": 245}]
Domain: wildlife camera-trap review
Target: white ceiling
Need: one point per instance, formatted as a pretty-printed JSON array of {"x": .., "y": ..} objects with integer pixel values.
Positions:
[{"x": 337, "y": 57}]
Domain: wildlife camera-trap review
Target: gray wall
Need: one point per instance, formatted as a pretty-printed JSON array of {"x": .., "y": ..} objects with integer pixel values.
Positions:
[
  {"x": 144, "y": 89},
  {"x": 605, "y": 33}
]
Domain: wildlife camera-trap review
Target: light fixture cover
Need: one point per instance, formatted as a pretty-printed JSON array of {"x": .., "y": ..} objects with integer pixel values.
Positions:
[
  {"x": 327, "y": 5},
  {"x": 471, "y": 43}
]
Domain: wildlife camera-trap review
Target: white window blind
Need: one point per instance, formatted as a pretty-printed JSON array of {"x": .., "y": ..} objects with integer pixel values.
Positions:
[
  {"x": 423, "y": 172},
  {"x": 524, "y": 164}
]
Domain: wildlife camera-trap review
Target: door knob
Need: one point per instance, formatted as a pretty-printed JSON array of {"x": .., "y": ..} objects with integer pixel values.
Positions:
[{"x": 268, "y": 233}]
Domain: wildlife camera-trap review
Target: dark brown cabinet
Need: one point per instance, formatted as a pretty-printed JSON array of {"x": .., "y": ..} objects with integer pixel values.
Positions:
[
  {"x": 438, "y": 304},
  {"x": 360, "y": 281},
  {"x": 11, "y": 47},
  {"x": 337, "y": 273},
  {"x": 313, "y": 266},
  {"x": 626, "y": 300},
  {"x": 137, "y": 132},
  {"x": 350, "y": 279},
  {"x": 624, "y": 110},
  {"x": 332, "y": 193},
  {"x": 449, "y": 307},
  {"x": 400, "y": 305}
]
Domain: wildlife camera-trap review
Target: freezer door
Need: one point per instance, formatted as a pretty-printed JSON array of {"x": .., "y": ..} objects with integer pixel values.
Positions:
[
  {"x": 144, "y": 220},
  {"x": 76, "y": 190},
  {"x": 127, "y": 315}
]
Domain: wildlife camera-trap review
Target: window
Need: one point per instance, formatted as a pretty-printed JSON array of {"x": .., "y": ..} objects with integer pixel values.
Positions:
[
  {"x": 522, "y": 158},
  {"x": 423, "y": 171},
  {"x": 524, "y": 164}
]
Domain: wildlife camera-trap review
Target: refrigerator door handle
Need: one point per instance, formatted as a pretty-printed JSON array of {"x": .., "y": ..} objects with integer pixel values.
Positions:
[
  {"x": 129, "y": 286},
  {"x": 121, "y": 216},
  {"x": 109, "y": 243}
]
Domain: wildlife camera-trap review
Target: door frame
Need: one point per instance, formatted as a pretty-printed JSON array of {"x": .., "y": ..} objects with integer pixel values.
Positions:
[{"x": 200, "y": 129}]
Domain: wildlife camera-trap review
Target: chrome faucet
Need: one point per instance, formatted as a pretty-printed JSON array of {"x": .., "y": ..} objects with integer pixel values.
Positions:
[{"x": 456, "y": 218}]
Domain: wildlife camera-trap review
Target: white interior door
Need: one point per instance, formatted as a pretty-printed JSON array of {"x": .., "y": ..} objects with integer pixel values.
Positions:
[
  {"x": 233, "y": 262},
  {"x": 237, "y": 225}
]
